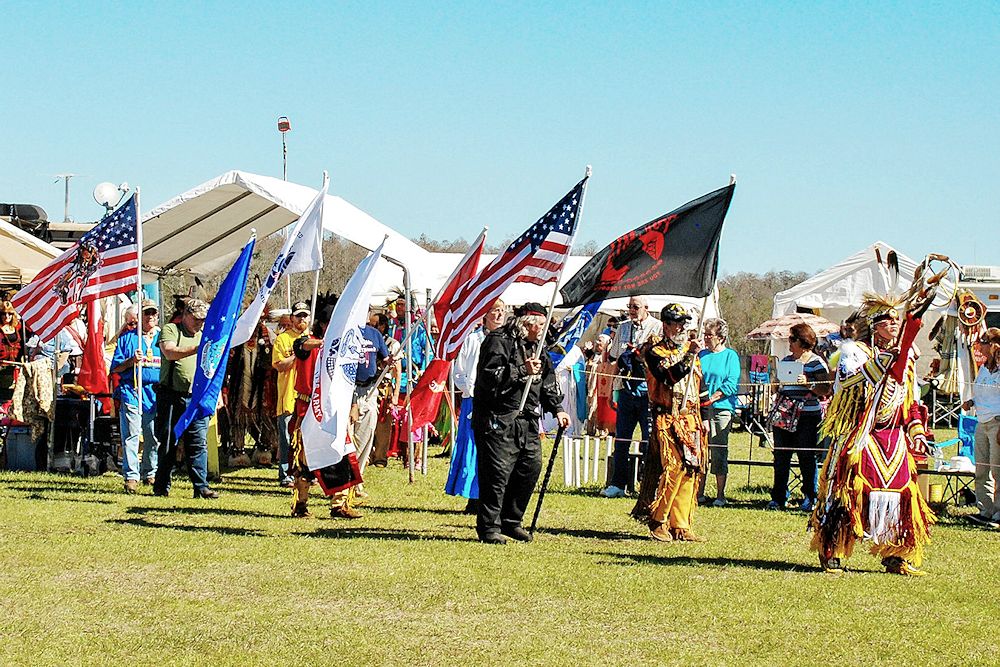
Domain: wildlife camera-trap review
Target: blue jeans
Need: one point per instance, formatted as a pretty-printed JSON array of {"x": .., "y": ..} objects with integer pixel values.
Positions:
[
  {"x": 284, "y": 447},
  {"x": 632, "y": 410},
  {"x": 133, "y": 423},
  {"x": 169, "y": 408}
]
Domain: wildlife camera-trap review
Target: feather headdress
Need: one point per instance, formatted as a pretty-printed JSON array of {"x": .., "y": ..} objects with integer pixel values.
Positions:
[{"x": 878, "y": 307}]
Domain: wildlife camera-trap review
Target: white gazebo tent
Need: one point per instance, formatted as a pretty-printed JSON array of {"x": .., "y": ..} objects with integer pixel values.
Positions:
[
  {"x": 201, "y": 230},
  {"x": 22, "y": 255},
  {"x": 837, "y": 291}
]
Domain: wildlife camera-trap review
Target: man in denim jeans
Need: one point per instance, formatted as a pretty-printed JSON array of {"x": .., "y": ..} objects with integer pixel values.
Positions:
[
  {"x": 179, "y": 350},
  {"x": 633, "y": 401},
  {"x": 138, "y": 347}
]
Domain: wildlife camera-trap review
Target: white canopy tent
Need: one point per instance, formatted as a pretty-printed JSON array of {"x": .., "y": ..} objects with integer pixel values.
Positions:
[
  {"x": 836, "y": 292},
  {"x": 201, "y": 230},
  {"x": 22, "y": 255}
]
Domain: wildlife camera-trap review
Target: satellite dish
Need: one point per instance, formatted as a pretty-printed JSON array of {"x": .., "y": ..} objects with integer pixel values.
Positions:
[{"x": 107, "y": 195}]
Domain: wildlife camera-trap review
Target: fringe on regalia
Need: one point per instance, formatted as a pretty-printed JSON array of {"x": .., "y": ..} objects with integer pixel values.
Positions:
[{"x": 897, "y": 522}]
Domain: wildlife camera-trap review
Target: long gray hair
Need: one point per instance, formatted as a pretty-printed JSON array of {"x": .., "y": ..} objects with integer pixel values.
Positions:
[{"x": 521, "y": 324}]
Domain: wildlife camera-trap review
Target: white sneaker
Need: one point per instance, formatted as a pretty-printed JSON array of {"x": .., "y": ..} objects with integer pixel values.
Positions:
[
  {"x": 719, "y": 502},
  {"x": 613, "y": 492}
]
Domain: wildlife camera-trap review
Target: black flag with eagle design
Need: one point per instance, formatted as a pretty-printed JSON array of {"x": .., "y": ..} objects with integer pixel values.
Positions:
[{"x": 677, "y": 253}]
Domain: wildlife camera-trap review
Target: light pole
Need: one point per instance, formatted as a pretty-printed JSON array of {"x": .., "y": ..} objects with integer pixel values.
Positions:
[{"x": 284, "y": 126}]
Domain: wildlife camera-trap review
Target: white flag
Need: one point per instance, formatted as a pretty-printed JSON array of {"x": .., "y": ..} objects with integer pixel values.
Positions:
[
  {"x": 302, "y": 251},
  {"x": 324, "y": 427}
]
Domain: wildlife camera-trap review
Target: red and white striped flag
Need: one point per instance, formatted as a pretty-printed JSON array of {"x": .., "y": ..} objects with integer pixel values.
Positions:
[
  {"x": 425, "y": 397},
  {"x": 103, "y": 263},
  {"x": 536, "y": 256}
]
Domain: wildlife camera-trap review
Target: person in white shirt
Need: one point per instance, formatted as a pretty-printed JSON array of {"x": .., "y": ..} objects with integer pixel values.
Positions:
[
  {"x": 986, "y": 400},
  {"x": 630, "y": 386},
  {"x": 462, "y": 479}
]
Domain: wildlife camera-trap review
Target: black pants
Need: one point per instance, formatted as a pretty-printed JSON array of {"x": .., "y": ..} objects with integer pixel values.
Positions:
[
  {"x": 803, "y": 443},
  {"x": 509, "y": 460}
]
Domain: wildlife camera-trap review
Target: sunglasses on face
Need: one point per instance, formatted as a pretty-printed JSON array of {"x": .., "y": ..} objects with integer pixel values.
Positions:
[{"x": 794, "y": 339}]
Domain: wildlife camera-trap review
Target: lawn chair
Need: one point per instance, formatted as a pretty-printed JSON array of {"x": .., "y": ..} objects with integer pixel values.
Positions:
[{"x": 966, "y": 437}]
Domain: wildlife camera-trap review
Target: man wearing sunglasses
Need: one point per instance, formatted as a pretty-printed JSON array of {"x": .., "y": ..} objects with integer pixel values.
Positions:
[{"x": 630, "y": 386}]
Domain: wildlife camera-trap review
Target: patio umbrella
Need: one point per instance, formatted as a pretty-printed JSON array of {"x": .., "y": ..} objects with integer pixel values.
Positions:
[{"x": 778, "y": 327}]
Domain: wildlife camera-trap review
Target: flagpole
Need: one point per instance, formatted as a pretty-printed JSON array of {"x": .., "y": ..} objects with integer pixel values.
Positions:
[
  {"x": 312, "y": 307},
  {"x": 555, "y": 292},
  {"x": 137, "y": 368},
  {"x": 701, "y": 317}
]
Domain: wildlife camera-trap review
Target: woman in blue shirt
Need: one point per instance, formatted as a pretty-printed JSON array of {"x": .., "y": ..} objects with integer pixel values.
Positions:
[{"x": 720, "y": 367}]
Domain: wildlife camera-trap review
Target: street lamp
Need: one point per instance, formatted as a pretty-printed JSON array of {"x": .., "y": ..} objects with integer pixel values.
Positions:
[{"x": 284, "y": 126}]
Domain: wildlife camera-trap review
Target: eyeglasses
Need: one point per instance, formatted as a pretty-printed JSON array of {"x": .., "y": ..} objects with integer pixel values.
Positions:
[
  {"x": 794, "y": 339},
  {"x": 150, "y": 313},
  {"x": 634, "y": 306}
]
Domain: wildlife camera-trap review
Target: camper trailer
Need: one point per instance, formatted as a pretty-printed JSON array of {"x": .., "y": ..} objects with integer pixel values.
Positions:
[{"x": 984, "y": 282}]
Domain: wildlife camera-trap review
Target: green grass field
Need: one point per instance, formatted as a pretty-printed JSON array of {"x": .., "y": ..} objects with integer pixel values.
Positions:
[{"x": 92, "y": 576}]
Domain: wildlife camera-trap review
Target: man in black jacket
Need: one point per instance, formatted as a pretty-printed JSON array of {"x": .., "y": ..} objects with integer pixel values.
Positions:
[{"x": 509, "y": 450}]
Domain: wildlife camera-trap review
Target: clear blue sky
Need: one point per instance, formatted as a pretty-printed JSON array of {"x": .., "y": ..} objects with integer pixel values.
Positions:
[{"x": 844, "y": 122}]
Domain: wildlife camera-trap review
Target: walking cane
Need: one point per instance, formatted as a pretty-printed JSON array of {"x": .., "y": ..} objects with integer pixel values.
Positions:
[{"x": 545, "y": 480}]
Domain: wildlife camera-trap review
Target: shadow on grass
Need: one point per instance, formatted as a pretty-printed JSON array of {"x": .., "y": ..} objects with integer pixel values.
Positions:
[
  {"x": 420, "y": 510},
  {"x": 141, "y": 522},
  {"x": 61, "y": 487},
  {"x": 217, "y": 511},
  {"x": 692, "y": 561},
  {"x": 401, "y": 534},
  {"x": 61, "y": 499},
  {"x": 591, "y": 534}
]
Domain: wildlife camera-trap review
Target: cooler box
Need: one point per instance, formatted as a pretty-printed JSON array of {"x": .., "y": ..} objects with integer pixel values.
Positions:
[{"x": 20, "y": 449}]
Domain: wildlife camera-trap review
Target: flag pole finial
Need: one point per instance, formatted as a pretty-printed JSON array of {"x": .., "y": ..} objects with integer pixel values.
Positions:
[
  {"x": 732, "y": 179},
  {"x": 589, "y": 171}
]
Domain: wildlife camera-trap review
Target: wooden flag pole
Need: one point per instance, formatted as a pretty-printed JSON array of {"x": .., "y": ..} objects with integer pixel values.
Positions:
[{"x": 555, "y": 292}]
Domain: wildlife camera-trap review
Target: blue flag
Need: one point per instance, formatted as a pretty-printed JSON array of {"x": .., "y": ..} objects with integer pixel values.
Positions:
[
  {"x": 213, "y": 353},
  {"x": 571, "y": 329}
]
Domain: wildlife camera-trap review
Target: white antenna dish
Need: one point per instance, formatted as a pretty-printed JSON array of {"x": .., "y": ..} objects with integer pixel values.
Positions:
[{"x": 107, "y": 195}]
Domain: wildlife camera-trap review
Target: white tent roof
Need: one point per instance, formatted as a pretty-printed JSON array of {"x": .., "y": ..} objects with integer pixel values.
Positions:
[
  {"x": 843, "y": 284},
  {"x": 201, "y": 229},
  {"x": 22, "y": 255},
  {"x": 444, "y": 264}
]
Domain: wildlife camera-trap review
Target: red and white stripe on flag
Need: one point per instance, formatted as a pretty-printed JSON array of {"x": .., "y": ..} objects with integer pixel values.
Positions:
[
  {"x": 446, "y": 302},
  {"x": 537, "y": 256},
  {"x": 103, "y": 263}
]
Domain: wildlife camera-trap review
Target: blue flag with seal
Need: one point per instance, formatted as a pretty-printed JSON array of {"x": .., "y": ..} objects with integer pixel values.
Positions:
[
  {"x": 213, "y": 353},
  {"x": 571, "y": 329}
]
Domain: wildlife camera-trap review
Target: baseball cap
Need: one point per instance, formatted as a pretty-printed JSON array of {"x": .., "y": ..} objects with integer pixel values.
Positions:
[
  {"x": 149, "y": 304},
  {"x": 674, "y": 312},
  {"x": 300, "y": 308},
  {"x": 198, "y": 308}
]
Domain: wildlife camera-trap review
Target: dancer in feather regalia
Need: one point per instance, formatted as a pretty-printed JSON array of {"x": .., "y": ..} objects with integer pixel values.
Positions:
[{"x": 868, "y": 485}]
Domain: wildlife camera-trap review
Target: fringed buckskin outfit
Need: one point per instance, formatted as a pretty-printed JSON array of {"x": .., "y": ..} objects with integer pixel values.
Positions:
[
  {"x": 868, "y": 485},
  {"x": 677, "y": 453}
]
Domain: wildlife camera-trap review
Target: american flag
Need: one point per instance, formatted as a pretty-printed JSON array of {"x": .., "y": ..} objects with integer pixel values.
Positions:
[
  {"x": 537, "y": 256},
  {"x": 104, "y": 262}
]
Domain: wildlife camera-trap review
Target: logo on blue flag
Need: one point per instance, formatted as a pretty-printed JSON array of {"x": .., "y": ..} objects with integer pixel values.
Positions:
[{"x": 213, "y": 353}]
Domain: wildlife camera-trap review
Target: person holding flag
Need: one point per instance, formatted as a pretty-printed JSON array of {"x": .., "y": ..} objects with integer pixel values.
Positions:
[
  {"x": 327, "y": 453},
  {"x": 178, "y": 362},
  {"x": 195, "y": 388},
  {"x": 138, "y": 348},
  {"x": 508, "y": 445}
]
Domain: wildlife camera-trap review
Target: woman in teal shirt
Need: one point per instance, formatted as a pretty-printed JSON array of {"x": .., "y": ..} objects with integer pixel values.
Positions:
[{"x": 720, "y": 367}]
